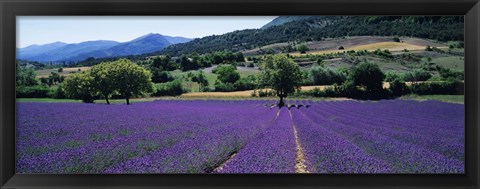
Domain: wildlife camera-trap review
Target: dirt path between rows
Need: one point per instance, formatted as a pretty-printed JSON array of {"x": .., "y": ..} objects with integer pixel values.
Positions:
[
  {"x": 300, "y": 166},
  {"x": 230, "y": 158},
  {"x": 220, "y": 167}
]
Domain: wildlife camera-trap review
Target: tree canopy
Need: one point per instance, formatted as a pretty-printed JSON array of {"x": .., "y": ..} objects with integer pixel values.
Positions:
[
  {"x": 368, "y": 75},
  {"x": 103, "y": 79},
  {"x": 121, "y": 76},
  {"x": 281, "y": 74},
  {"x": 227, "y": 73},
  {"x": 25, "y": 76},
  {"x": 130, "y": 79},
  {"x": 303, "y": 49},
  {"x": 80, "y": 86}
]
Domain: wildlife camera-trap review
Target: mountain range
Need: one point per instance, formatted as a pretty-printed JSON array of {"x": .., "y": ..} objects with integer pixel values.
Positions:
[{"x": 62, "y": 52}]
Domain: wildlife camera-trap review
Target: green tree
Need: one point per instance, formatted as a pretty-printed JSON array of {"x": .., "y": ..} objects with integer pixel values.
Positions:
[
  {"x": 368, "y": 75},
  {"x": 160, "y": 76},
  {"x": 80, "y": 86},
  {"x": 172, "y": 88},
  {"x": 303, "y": 49},
  {"x": 326, "y": 76},
  {"x": 54, "y": 78},
  {"x": 217, "y": 58},
  {"x": 246, "y": 83},
  {"x": 224, "y": 87},
  {"x": 281, "y": 74},
  {"x": 239, "y": 57},
  {"x": 398, "y": 87},
  {"x": 205, "y": 61},
  {"x": 25, "y": 76},
  {"x": 103, "y": 79},
  {"x": 229, "y": 57},
  {"x": 227, "y": 73},
  {"x": 130, "y": 79},
  {"x": 188, "y": 63},
  {"x": 164, "y": 63}
]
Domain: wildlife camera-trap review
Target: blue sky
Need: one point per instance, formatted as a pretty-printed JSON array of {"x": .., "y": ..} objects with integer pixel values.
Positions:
[{"x": 73, "y": 29}]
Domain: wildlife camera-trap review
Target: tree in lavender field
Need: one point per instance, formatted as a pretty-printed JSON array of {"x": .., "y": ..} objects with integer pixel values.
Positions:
[
  {"x": 80, "y": 86},
  {"x": 130, "y": 79},
  {"x": 281, "y": 74},
  {"x": 103, "y": 79}
]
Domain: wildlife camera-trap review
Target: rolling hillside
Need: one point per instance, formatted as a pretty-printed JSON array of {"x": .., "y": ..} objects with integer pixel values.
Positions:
[{"x": 302, "y": 29}]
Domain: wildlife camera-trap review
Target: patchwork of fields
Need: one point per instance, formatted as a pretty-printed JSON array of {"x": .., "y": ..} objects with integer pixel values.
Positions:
[{"x": 241, "y": 136}]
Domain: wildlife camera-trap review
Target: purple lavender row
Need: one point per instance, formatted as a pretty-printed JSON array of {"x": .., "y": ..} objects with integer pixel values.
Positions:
[
  {"x": 200, "y": 154},
  {"x": 98, "y": 136},
  {"x": 449, "y": 142},
  {"x": 399, "y": 124},
  {"x": 436, "y": 140},
  {"x": 273, "y": 151},
  {"x": 403, "y": 157},
  {"x": 450, "y": 114},
  {"x": 328, "y": 152},
  {"x": 104, "y": 143}
]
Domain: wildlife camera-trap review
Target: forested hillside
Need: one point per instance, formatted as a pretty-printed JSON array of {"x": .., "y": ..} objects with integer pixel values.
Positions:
[{"x": 321, "y": 27}]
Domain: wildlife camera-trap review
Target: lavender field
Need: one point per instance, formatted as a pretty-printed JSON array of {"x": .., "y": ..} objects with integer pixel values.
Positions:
[{"x": 248, "y": 136}]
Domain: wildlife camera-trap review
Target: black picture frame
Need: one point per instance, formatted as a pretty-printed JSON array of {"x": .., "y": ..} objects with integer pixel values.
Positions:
[{"x": 9, "y": 9}]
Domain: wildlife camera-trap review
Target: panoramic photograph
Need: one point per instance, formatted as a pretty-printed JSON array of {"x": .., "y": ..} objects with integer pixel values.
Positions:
[{"x": 240, "y": 95}]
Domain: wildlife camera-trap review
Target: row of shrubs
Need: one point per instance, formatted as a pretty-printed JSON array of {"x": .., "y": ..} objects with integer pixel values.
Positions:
[
  {"x": 422, "y": 75},
  {"x": 172, "y": 88},
  {"x": 321, "y": 75},
  {"x": 242, "y": 84},
  {"x": 175, "y": 88},
  {"x": 39, "y": 91},
  {"x": 397, "y": 88}
]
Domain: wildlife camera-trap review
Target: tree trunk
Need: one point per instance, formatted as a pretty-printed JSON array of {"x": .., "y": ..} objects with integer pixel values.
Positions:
[
  {"x": 106, "y": 98},
  {"x": 281, "y": 103},
  {"x": 128, "y": 101}
]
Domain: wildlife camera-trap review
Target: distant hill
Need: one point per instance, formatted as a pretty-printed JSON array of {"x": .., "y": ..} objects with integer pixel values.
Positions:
[
  {"x": 284, "y": 19},
  {"x": 61, "y": 52},
  {"x": 70, "y": 50},
  {"x": 316, "y": 28},
  {"x": 177, "y": 39},
  {"x": 35, "y": 50},
  {"x": 144, "y": 44}
]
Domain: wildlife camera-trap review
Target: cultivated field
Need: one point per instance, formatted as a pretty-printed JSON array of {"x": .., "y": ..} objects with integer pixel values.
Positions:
[
  {"x": 369, "y": 43},
  {"x": 65, "y": 72},
  {"x": 224, "y": 136},
  {"x": 391, "y": 46}
]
